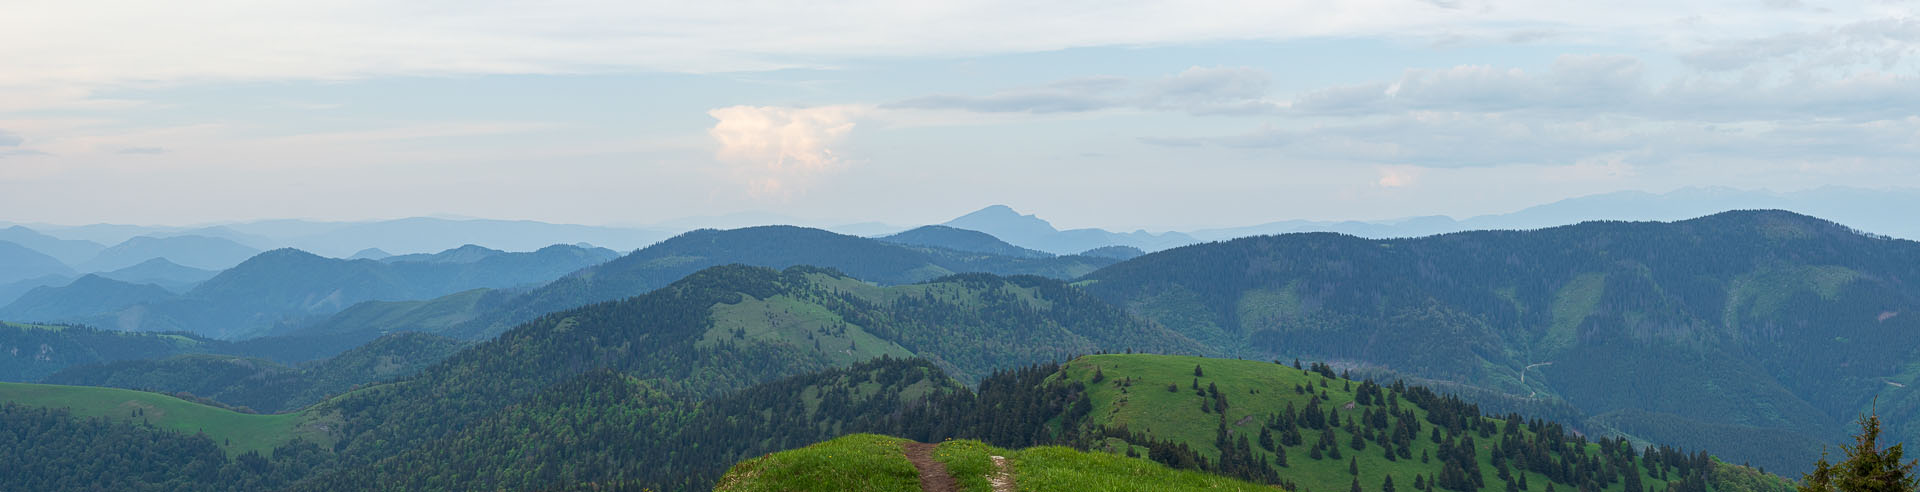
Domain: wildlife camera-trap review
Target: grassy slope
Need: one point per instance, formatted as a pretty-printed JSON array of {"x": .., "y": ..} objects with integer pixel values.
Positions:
[
  {"x": 783, "y": 320},
  {"x": 1056, "y": 468},
  {"x": 236, "y": 432},
  {"x": 1148, "y": 406},
  {"x": 853, "y": 462},
  {"x": 875, "y": 463}
]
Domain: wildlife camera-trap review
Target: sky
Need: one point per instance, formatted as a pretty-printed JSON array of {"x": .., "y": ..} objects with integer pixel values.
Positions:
[{"x": 1116, "y": 114}]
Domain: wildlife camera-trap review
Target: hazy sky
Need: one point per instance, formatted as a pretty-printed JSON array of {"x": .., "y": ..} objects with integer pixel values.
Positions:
[{"x": 1108, "y": 113}]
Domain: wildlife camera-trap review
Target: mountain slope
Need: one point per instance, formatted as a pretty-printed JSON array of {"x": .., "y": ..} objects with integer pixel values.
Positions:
[
  {"x": 280, "y": 290},
  {"x": 86, "y": 295},
  {"x": 51, "y": 449},
  {"x": 20, "y": 263},
  {"x": 676, "y": 445},
  {"x": 159, "y": 271},
  {"x": 263, "y": 385},
  {"x": 767, "y": 246},
  {"x": 872, "y": 462},
  {"x": 961, "y": 240},
  {"x": 1309, "y": 419},
  {"x": 729, "y": 327},
  {"x": 435, "y": 234},
  {"x": 1032, "y": 232},
  {"x": 202, "y": 252},
  {"x": 1758, "y": 319},
  {"x": 68, "y": 251},
  {"x": 30, "y": 352}
]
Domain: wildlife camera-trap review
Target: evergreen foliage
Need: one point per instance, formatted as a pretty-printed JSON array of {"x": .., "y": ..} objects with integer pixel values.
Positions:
[
  {"x": 1868, "y": 467},
  {"x": 1768, "y": 319}
]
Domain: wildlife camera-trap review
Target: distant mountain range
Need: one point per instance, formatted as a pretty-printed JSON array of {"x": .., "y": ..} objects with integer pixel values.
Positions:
[
  {"x": 76, "y": 246},
  {"x": 1033, "y": 232},
  {"x": 20, "y": 263},
  {"x": 768, "y": 246},
  {"x": 281, "y": 289},
  {"x": 962, "y": 240},
  {"x": 159, "y": 271}
]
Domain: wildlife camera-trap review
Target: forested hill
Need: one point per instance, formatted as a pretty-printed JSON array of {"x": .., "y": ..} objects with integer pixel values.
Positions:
[
  {"x": 725, "y": 328},
  {"x": 961, "y": 240},
  {"x": 29, "y": 352},
  {"x": 767, "y": 246},
  {"x": 1279, "y": 426},
  {"x": 1715, "y": 329}
]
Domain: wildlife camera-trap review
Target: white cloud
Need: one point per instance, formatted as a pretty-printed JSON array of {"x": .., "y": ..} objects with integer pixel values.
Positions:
[
  {"x": 109, "y": 42},
  {"x": 1196, "y": 90},
  {"x": 777, "y": 151},
  {"x": 1398, "y": 176}
]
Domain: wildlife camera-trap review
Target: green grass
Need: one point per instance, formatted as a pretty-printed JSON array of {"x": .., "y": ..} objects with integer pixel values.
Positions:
[
  {"x": 1571, "y": 306},
  {"x": 1256, "y": 390},
  {"x": 235, "y": 432},
  {"x": 1056, "y": 468},
  {"x": 32, "y": 326},
  {"x": 1265, "y": 308},
  {"x": 1761, "y": 293},
  {"x": 870, "y": 462},
  {"x": 804, "y": 326},
  {"x": 852, "y": 462}
]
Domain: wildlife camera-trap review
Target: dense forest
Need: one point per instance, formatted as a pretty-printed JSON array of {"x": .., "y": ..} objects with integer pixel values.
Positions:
[
  {"x": 258, "y": 385},
  {"x": 50, "y": 450},
  {"x": 1760, "y": 321},
  {"x": 29, "y": 352}
]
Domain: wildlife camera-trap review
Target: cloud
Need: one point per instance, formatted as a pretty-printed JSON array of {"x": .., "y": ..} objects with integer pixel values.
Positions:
[
  {"x": 1197, "y": 90},
  {"x": 8, "y": 139},
  {"x": 1214, "y": 90},
  {"x": 1398, "y": 176},
  {"x": 117, "y": 42},
  {"x": 1066, "y": 96},
  {"x": 1883, "y": 44},
  {"x": 777, "y": 151},
  {"x": 1464, "y": 140},
  {"x": 140, "y": 151},
  {"x": 1583, "y": 82}
]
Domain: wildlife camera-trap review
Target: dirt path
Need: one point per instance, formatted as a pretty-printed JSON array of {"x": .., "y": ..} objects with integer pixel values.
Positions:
[
  {"x": 933, "y": 473},
  {"x": 1001, "y": 479}
]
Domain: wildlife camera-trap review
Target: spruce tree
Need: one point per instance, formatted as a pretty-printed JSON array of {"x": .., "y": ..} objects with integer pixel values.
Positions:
[{"x": 1867, "y": 468}]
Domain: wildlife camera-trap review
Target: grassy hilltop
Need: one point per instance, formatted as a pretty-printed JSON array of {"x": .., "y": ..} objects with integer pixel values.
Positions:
[
  {"x": 1245, "y": 416},
  {"x": 235, "y": 432}
]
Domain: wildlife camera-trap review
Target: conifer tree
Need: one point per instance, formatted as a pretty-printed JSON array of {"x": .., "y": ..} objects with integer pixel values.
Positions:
[{"x": 1867, "y": 467}]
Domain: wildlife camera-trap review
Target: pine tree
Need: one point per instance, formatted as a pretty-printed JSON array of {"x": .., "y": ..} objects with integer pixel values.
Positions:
[
  {"x": 1197, "y": 372},
  {"x": 1356, "y": 485},
  {"x": 1353, "y": 466},
  {"x": 1387, "y": 485},
  {"x": 1867, "y": 468}
]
